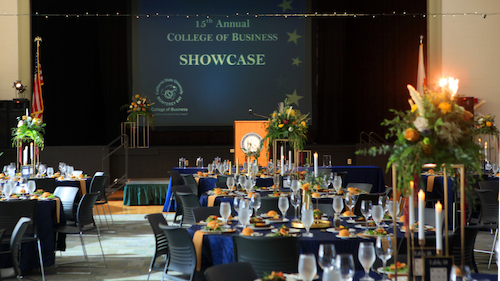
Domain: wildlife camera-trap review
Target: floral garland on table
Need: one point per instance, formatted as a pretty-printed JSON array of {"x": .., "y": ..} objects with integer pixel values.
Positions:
[
  {"x": 435, "y": 130},
  {"x": 288, "y": 123},
  {"x": 485, "y": 125},
  {"x": 29, "y": 128},
  {"x": 139, "y": 106}
]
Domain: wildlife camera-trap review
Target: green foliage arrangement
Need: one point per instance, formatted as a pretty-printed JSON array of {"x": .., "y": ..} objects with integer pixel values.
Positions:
[{"x": 29, "y": 128}]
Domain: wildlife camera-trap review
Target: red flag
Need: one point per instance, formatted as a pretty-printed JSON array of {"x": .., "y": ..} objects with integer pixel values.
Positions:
[
  {"x": 37, "y": 101},
  {"x": 421, "y": 83}
]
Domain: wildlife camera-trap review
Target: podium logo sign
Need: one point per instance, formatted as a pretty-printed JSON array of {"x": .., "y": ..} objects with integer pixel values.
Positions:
[{"x": 169, "y": 92}]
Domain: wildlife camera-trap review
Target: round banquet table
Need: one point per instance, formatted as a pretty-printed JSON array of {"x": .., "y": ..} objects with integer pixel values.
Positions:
[
  {"x": 45, "y": 222},
  {"x": 218, "y": 248}
]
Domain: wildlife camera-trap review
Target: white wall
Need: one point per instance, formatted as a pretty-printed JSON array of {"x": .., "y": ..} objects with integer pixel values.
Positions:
[
  {"x": 9, "y": 49},
  {"x": 471, "y": 50}
]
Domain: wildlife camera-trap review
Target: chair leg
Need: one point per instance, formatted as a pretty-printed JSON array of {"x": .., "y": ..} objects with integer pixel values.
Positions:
[
  {"x": 110, "y": 215},
  {"x": 493, "y": 248},
  {"x": 98, "y": 214},
  {"x": 85, "y": 252},
  {"x": 42, "y": 269},
  {"x": 105, "y": 217}
]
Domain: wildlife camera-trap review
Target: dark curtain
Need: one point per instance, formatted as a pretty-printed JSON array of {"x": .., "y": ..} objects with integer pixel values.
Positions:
[{"x": 360, "y": 69}]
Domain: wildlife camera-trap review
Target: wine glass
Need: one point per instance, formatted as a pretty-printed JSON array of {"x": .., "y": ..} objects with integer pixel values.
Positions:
[
  {"x": 366, "y": 256},
  {"x": 11, "y": 171},
  {"x": 230, "y": 183},
  {"x": 337, "y": 183},
  {"x": 326, "y": 256},
  {"x": 62, "y": 168},
  {"x": 295, "y": 186},
  {"x": 50, "y": 172},
  {"x": 307, "y": 267},
  {"x": 210, "y": 168},
  {"x": 270, "y": 167},
  {"x": 345, "y": 265},
  {"x": 331, "y": 274},
  {"x": 391, "y": 209},
  {"x": 244, "y": 212},
  {"x": 277, "y": 181},
  {"x": 283, "y": 205},
  {"x": 307, "y": 221},
  {"x": 366, "y": 206},
  {"x": 42, "y": 169},
  {"x": 377, "y": 214},
  {"x": 338, "y": 204},
  {"x": 350, "y": 202},
  {"x": 225, "y": 211},
  {"x": 31, "y": 187},
  {"x": 495, "y": 169},
  {"x": 384, "y": 250},
  {"x": 248, "y": 185},
  {"x": 242, "y": 180},
  {"x": 7, "y": 189},
  {"x": 295, "y": 200},
  {"x": 255, "y": 202}
]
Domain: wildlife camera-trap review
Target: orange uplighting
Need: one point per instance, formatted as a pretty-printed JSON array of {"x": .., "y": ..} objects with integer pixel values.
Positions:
[{"x": 450, "y": 84}]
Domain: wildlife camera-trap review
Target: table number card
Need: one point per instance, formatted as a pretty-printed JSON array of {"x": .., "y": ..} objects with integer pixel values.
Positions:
[
  {"x": 417, "y": 266},
  {"x": 437, "y": 268}
]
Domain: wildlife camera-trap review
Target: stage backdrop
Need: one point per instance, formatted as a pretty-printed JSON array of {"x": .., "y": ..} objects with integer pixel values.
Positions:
[{"x": 205, "y": 63}]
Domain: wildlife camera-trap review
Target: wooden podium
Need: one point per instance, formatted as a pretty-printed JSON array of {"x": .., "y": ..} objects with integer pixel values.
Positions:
[{"x": 249, "y": 132}]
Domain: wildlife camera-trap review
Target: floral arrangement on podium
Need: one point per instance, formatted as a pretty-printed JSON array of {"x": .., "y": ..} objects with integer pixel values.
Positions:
[
  {"x": 139, "y": 106},
  {"x": 288, "y": 123},
  {"x": 435, "y": 130}
]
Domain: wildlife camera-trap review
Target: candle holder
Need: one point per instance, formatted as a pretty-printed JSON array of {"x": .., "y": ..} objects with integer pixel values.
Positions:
[
  {"x": 411, "y": 228},
  {"x": 276, "y": 144},
  {"x": 34, "y": 159}
]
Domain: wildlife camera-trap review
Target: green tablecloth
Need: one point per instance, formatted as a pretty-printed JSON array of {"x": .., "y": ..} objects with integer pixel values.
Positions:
[{"x": 145, "y": 194}]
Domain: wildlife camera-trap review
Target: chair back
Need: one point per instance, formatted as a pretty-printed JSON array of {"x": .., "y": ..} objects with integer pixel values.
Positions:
[
  {"x": 267, "y": 254},
  {"x": 84, "y": 213},
  {"x": 189, "y": 202},
  {"x": 47, "y": 184},
  {"x": 67, "y": 195},
  {"x": 98, "y": 185},
  {"x": 221, "y": 184},
  {"x": 361, "y": 197},
  {"x": 361, "y": 185},
  {"x": 222, "y": 178},
  {"x": 241, "y": 271},
  {"x": 188, "y": 179},
  {"x": 176, "y": 177},
  {"x": 182, "y": 256},
  {"x": 202, "y": 213},
  {"x": 161, "y": 240},
  {"x": 268, "y": 204},
  {"x": 12, "y": 211},
  {"x": 489, "y": 185},
  {"x": 471, "y": 232},
  {"x": 489, "y": 206},
  {"x": 15, "y": 241}
]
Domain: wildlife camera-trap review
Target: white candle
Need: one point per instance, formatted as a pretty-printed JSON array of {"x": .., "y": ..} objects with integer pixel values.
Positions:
[
  {"x": 421, "y": 221},
  {"x": 439, "y": 226},
  {"x": 25, "y": 155},
  {"x": 282, "y": 171},
  {"x": 315, "y": 164},
  {"x": 290, "y": 161},
  {"x": 31, "y": 153},
  {"x": 27, "y": 113},
  {"x": 237, "y": 166},
  {"x": 411, "y": 219},
  {"x": 230, "y": 168},
  {"x": 485, "y": 151}
]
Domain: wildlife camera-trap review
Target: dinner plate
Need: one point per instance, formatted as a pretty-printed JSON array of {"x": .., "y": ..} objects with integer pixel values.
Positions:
[
  {"x": 366, "y": 226},
  {"x": 205, "y": 223},
  {"x": 333, "y": 230},
  {"x": 426, "y": 228},
  {"x": 363, "y": 234},
  {"x": 261, "y": 228},
  {"x": 296, "y": 276},
  {"x": 253, "y": 234},
  {"x": 381, "y": 270},
  {"x": 347, "y": 237},
  {"x": 217, "y": 232},
  {"x": 290, "y": 230},
  {"x": 280, "y": 220}
]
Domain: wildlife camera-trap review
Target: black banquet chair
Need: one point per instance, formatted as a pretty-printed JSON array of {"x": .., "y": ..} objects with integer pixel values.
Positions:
[
  {"x": 98, "y": 185},
  {"x": 267, "y": 254},
  {"x": 15, "y": 241},
  {"x": 161, "y": 247},
  {"x": 489, "y": 216},
  {"x": 85, "y": 225},
  {"x": 67, "y": 195},
  {"x": 202, "y": 213},
  {"x": 176, "y": 190},
  {"x": 361, "y": 185},
  {"x": 182, "y": 255},
  {"x": 189, "y": 202},
  {"x": 47, "y": 184},
  {"x": 241, "y": 271},
  {"x": 471, "y": 232}
]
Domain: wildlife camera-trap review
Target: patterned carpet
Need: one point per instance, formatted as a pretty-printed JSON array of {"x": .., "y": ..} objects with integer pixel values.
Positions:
[{"x": 129, "y": 250}]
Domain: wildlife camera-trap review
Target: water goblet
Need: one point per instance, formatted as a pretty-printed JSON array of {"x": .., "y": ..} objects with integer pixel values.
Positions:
[
  {"x": 495, "y": 169},
  {"x": 344, "y": 263},
  {"x": 307, "y": 221},
  {"x": 338, "y": 204},
  {"x": 366, "y": 206},
  {"x": 50, "y": 172},
  {"x": 295, "y": 200},
  {"x": 331, "y": 274},
  {"x": 255, "y": 202},
  {"x": 283, "y": 205},
  {"x": 31, "y": 187},
  {"x": 270, "y": 168},
  {"x": 307, "y": 267},
  {"x": 225, "y": 211},
  {"x": 326, "y": 256},
  {"x": 248, "y": 185},
  {"x": 230, "y": 183},
  {"x": 7, "y": 189},
  {"x": 62, "y": 168},
  {"x": 384, "y": 250},
  {"x": 391, "y": 209},
  {"x": 377, "y": 214},
  {"x": 277, "y": 181},
  {"x": 366, "y": 256},
  {"x": 244, "y": 215},
  {"x": 242, "y": 180},
  {"x": 337, "y": 183},
  {"x": 350, "y": 202},
  {"x": 42, "y": 168}
]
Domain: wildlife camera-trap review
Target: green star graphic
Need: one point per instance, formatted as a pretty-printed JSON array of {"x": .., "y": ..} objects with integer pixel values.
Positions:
[
  {"x": 296, "y": 61},
  {"x": 294, "y": 98},
  {"x": 293, "y": 36},
  {"x": 285, "y": 5}
]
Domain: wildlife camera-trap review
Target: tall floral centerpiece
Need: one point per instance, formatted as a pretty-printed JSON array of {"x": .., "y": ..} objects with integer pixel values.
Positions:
[
  {"x": 139, "y": 106},
  {"x": 28, "y": 139},
  {"x": 487, "y": 137},
  {"x": 434, "y": 130}
]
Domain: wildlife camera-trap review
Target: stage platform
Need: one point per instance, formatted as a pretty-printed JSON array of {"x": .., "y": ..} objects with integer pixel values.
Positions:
[{"x": 145, "y": 191}]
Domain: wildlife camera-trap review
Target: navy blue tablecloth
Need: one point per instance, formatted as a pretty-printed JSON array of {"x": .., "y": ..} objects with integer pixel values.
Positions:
[{"x": 362, "y": 174}]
